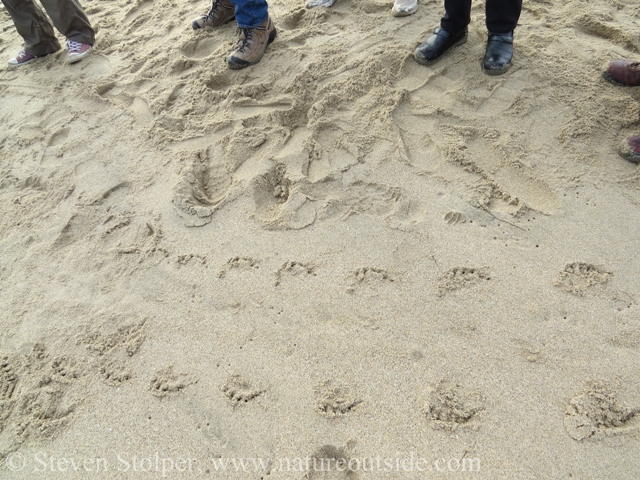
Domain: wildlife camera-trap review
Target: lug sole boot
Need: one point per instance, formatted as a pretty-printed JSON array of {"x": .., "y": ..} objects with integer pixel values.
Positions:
[
  {"x": 222, "y": 11},
  {"x": 252, "y": 43}
]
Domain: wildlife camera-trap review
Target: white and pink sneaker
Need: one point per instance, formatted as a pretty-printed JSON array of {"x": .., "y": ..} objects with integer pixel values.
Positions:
[
  {"x": 77, "y": 51},
  {"x": 22, "y": 59}
]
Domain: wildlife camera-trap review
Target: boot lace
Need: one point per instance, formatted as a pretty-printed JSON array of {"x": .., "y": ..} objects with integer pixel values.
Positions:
[
  {"x": 73, "y": 46},
  {"x": 246, "y": 35},
  {"x": 213, "y": 13}
]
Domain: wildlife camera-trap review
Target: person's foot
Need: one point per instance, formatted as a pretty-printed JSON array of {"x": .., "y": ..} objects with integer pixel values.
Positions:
[
  {"x": 320, "y": 3},
  {"x": 76, "y": 50},
  {"x": 222, "y": 11},
  {"x": 403, "y": 8},
  {"x": 434, "y": 47},
  {"x": 252, "y": 43},
  {"x": 499, "y": 53},
  {"x": 630, "y": 149},
  {"x": 22, "y": 59},
  {"x": 624, "y": 73}
]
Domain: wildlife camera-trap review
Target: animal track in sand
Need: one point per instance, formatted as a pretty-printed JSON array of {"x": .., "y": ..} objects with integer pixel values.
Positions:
[
  {"x": 371, "y": 275},
  {"x": 191, "y": 258},
  {"x": 114, "y": 372},
  {"x": 462, "y": 277},
  {"x": 239, "y": 263},
  {"x": 112, "y": 349},
  {"x": 239, "y": 390},
  {"x": 335, "y": 400},
  {"x": 455, "y": 218},
  {"x": 450, "y": 406},
  {"x": 279, "y": 205},
  {"x": 597, "y": 413},
  {"x": 168, "y": 382},
  {"x": 273, "y": 187},
  {"x": 294, "y": 269},
  {"x": 201, "y": 191},
  {"x": 578, "y": 277},
  {"x": 8, "y": 380},
  {"x": 35, "y": 399},
  {"x": 126, "y": 338}
]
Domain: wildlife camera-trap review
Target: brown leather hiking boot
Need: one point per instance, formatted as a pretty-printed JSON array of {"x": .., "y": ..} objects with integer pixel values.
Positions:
[
  {"x": 222, "y": 11},
  {"x": 630, "y": 149},
  {"x": 624, "y": 73},
  {"x": 252, "y": 43}
]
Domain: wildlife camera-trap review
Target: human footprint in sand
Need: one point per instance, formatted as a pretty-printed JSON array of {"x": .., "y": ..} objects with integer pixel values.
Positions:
[
  {"x": 36, "y": 30},
  {"x": 501, "y": 20},
  {"x": 255, "y": 29},
  {"x": 625, "y": 73},
  {"x": 401, "y": 8}
]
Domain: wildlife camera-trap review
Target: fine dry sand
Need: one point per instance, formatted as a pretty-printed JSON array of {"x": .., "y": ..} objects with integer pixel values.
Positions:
[{"x": 335, "y": 253}]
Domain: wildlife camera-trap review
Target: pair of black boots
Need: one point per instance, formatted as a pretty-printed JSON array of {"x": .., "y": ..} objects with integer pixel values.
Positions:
[{"x": 497, "y": 58}]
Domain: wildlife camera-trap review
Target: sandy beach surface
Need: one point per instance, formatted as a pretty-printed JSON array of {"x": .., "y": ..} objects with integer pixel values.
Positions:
[{"x": 335, "y": 254}]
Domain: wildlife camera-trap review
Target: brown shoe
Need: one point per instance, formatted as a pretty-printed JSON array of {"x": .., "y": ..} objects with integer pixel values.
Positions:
[
  {"x": 252, "y": 43},
  {"x": 222, "y": 11},
  {"x": 623, "y": 73},
  {"x": 630, "y": 149}
]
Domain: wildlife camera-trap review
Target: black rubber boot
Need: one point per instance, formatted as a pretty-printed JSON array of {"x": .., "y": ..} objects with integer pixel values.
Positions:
[
  {"x": 437, "y": 45},
  {"x": 497, "y": 58}
]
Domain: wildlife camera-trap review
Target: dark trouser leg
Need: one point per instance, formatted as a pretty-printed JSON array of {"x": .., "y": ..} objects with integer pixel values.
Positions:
[
  {"x": 457, "y": 15},
  {"x": 503, "y": 15},
  {"x": 34, "y": 27},
  {"x": 70, "y": 20}
]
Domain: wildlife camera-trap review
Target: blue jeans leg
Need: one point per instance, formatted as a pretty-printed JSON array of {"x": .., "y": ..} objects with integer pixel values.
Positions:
[{"x": 250, "y": 13}]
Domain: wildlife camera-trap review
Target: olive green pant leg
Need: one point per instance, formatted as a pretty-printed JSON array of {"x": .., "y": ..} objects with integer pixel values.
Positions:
[
  {"x": 34, "y": 27},
  {"x": 70, "y": 20}
]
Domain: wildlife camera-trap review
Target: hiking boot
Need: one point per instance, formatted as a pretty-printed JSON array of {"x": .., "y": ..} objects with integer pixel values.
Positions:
[
  {"x": 320, "y": 3},
  {"x": 222, "y": 11},
  {"x": 21, "y": 59},
  {"x": 404, "y": 8},
  {"x": 630, "y": 149},
  {"x": 77, "y": 51},
  {"x": 252, "y": 43}
]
